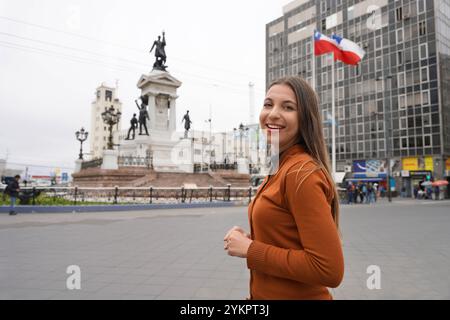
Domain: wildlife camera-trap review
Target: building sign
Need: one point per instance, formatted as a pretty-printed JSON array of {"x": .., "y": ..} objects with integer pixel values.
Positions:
[
  {"x": 420, "y": 173},
  {"x": 410, "y": 164},
  {"x": 429, "y": 164},
  {"x": 369, "y": 168},
  {"x": 359, "y": 166}
]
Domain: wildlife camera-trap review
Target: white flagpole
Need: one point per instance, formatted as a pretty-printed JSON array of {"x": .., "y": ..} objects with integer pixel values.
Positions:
[
  {"x": 333, "y": 120},
  {"x": 313, "y": 65}
]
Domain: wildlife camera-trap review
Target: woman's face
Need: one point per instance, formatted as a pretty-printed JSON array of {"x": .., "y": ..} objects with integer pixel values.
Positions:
[{"x": 280, "y": 115}]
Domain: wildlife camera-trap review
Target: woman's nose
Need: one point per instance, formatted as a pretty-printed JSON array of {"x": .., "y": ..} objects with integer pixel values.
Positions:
[{"x": 274, "y": 114}]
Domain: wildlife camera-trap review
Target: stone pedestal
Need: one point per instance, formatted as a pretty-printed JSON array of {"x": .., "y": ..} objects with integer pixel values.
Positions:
[
  {"x": 242, "y": 165},
  {"x": 160, "y": 89},
  {"x": 78, "y": 163},
  {"x": 110, "y": 160}
]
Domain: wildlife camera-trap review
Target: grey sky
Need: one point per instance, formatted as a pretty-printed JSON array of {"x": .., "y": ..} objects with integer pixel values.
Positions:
[{"x": 48, "y": 78}]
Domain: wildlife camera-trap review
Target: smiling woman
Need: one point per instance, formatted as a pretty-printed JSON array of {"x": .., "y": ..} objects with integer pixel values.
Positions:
[{"x": 293, "y": 250}]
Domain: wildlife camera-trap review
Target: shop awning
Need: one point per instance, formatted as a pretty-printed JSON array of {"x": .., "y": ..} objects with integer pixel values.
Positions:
[{"x": 365, "y": 179}]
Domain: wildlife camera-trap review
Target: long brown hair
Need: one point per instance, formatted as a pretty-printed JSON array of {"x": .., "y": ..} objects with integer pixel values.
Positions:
[{"x": 310, "y": 135}]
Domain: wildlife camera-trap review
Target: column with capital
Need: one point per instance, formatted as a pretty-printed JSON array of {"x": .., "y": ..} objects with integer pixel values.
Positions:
[
  {"x": 173, "y": 113},
  {"x": 151, "y": 110}
]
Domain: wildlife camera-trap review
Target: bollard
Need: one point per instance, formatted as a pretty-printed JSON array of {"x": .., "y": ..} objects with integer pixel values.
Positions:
[
  {"x": 192, "y": 192},
  {"x": 210, "y": 193},
  {"x": 116, "y": 192},
  {"x": 229, "y": 192},
  {"x": 249, "y": 194},
  {"x": 182, "y": 194},
  {"x": 151, "y": 194},
  {"x": 75, "y": 196}
]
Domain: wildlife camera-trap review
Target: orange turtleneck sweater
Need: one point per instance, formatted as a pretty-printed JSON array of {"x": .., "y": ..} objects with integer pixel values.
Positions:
[{"x": 296, "y": 251}]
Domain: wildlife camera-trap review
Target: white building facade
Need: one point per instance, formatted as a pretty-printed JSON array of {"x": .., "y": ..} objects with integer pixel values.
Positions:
[{"x": 98, "y": 136}]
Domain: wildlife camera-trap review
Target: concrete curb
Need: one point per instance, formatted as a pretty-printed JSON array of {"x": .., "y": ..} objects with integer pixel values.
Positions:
[{"x": 110, "y": 208}]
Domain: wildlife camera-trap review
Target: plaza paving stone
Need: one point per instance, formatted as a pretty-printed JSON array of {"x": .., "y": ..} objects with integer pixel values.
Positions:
[{"x": 178, "y": 253}]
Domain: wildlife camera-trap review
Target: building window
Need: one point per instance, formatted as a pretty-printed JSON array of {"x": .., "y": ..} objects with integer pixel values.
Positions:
[
  {"x": 404, "y": 144},
  {"x": 108, "y": 95},
  {"x": 378, "y": 64},
  {"x": 323, "y": 6},
  {"x": 425, "y": 98},
  {"x": 403, "y": 124},
  {"x": 381, "y": 144},
  {"x": 402, "y": 102},
  {"x": 360, "y": 128},
  {"x": 360, "y": 146},
  {"x": 427, "y": 141},
  {"x": 281, "y": 72},
  {"x": 401, "y": 79},
  {"x": 400, "y": 57},
  {"x": 295, "y": 69},
  {"x": 341, "y": 113},
  {"x": 359, "y": 110},
  {"x": 421, "y": 6},
  {"x": 423, "y": 51},
  {"x": 341, "y": 93},
  {"x": 399, "y": 14},
  {"x": 294, "y": 53},
  {"x": 357, "y": 70},
  {"x": 426, "y": 120},
  {"x": 350, "y": 12},
  {"x": 324, "y": 78},
  {"x": 340, "y": 74},
  {"x": 308, "y": 48},
  {"x": 341, "y": 131},
  {"x": 378, "y": 44},
  {"x": 424, "y": 74},
  {"x": 399, "y": 34},
  {"x": 422, "y": 28}
]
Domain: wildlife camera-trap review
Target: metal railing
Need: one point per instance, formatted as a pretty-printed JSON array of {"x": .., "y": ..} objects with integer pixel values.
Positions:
[
  {"x": 131, "y": 195},
  {"x": 129, "y": 161}
]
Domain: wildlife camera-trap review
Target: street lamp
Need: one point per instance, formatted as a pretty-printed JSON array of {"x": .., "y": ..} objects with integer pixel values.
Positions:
[
  {"x": 110, "y": 117},
  {"x": 81, "y": 136}
]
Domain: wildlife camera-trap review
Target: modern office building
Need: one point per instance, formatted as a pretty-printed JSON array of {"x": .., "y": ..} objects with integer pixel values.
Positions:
[
  {"x": 396, "y": 103},
  {"x": 105, "y": 98}
]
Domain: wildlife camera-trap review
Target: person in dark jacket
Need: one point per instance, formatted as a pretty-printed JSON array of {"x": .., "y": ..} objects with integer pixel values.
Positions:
[{"x": 13, "y": 192}]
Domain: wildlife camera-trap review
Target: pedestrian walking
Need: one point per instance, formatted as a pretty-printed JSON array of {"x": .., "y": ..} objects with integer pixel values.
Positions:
[{"x": 12, "y": 190}]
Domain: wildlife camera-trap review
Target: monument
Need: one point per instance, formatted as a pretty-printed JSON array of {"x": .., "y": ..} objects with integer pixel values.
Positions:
[{"x": 157, "y": 114}]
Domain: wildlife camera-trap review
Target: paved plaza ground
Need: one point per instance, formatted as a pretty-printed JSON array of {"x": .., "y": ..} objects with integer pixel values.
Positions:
[{"x": 178, "y": 253}]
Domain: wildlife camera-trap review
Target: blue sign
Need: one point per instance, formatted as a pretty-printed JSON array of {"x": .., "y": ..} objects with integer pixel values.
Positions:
[{"x": 359, "y": 166}]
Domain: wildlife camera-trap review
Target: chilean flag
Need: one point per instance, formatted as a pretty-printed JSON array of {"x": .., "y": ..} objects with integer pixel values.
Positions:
[
  {"x": 344, "y": 50},
  {"x": 350, "y": 52},
  {"x": 324, "y": 44}
]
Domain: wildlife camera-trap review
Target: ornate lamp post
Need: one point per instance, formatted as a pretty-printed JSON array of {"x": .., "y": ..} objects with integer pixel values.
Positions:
[
  {"x": 110, "y": 117},
  {"x": 81, "y": 136}
]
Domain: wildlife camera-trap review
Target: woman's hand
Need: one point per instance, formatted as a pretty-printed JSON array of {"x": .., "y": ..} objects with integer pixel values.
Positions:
[
  {"x": 237, "y": 242},
  {"x": 236, "y": 228}
]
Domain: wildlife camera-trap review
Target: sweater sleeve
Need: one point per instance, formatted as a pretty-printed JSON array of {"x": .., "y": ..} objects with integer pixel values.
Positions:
[{"x": 321, "y": 261}]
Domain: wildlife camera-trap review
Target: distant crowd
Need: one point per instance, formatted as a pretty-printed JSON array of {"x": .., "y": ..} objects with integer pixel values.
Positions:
[{"x": 363, "y": 192}]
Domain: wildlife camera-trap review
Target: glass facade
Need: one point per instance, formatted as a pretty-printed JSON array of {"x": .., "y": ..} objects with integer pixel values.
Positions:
[{"x": 393, "y": 103}]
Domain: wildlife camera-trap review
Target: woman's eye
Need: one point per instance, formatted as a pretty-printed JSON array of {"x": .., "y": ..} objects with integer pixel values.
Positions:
[
  {"x": 267, "y": 105},
  {"x": 290, "y": 107}
]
